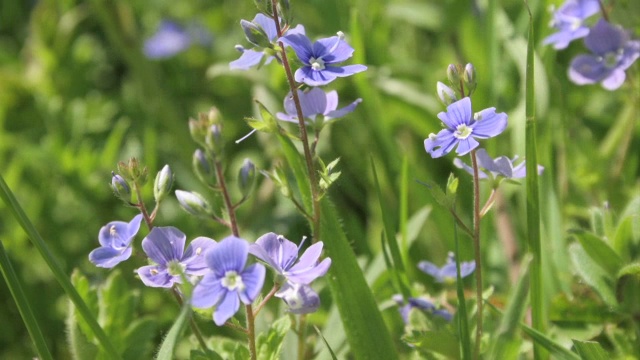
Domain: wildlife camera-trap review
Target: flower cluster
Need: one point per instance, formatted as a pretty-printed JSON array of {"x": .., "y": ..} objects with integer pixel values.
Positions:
[
  {"x": 172, "y": 38},
  {"x": 612, "y": 49}
]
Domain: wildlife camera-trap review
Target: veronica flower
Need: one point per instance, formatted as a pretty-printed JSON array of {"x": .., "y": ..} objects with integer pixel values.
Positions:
[
  {"x": 421, "y": 304},
  {"x": 115, "y": 238},
  {"x": 250, "y": 57},
  {"x": 569, "y": 21},
  {"x": 229, "y": 281},
  {"x": 282, "y": 256},
  {"x": 165, "y": 246},
  {"x": 462, "y": 128},
  {"x": 172, "y": 38},
  {"x": 315, "y": 102},
  {"x": 301, "y": 299},
  {"x": 447, "y": 273},
  {"x": 499, "y": 167},
  {"x": 613, "y": 52},
  {"x": 320, "y": 59}
]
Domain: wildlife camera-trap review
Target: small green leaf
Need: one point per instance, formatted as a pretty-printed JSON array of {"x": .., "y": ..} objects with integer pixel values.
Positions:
[
  {"x": 138, "y": 339},
  {"x": 90, "y": 297},
  {"x": 590, "y": 350},
  {"x": 600, "y": 252},
  {"x": 592, "y": 273},
  {"x": 269, "y": 343},
  {"x": 116, "y": 308},
  {"x": 628, "y": 288},
  {"x": 173, "y": 336},
  {"x": 555, "y": 349},
  {"x": 446, "y": 201},
  {"x": 440, "y": 341}
]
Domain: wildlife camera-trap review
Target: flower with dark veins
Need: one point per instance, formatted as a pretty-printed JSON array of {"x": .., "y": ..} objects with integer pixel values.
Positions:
[
  {"x": 315, "y": 102},
  {"x": 499, "y": 167},
  {"x": 569, "y": 21},
  {"x": 115, "y": 240},
  {"x": 447, "y": 273}
]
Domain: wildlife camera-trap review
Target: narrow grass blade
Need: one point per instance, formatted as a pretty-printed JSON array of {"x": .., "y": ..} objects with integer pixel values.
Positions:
[
  {"x": 333, "y": 355},
  {"x": 461, "y": 317},
  {"x": 398, "y": 266},
  {"x": 590, "y": 350},
  {"x": 533, "y": 197},
  {"x": 22, "y": 302},
  {"x": 39, "y": 243}
]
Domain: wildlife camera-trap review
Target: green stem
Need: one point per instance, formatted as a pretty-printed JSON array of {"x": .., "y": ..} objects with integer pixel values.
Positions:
[
  {"x": 302, "y": 330},
  {"x": 476, "y": 246},
  {"x": 315, "y": 193},
  {"x": 194, "y": 325},
  {"x": 251, "y": 332}
]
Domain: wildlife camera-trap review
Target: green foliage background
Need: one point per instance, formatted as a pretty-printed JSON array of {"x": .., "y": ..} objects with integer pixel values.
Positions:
[{"x": 77, "y": 96}]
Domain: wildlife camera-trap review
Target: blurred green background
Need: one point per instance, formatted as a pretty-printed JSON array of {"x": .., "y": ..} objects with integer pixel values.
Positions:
[{"x": 77, "y": 95}]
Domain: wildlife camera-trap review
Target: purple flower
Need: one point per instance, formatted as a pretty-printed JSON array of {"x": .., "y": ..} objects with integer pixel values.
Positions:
[
  {"x": 165, "y": 246},
  {"x": 171, "y": 39},
  {"x": 249, "y": 57},
  {"x": 613, "y": 52},
  {"x": 301, "y": 299},
  {"x": 421, "y": 304},
  {"x": 499, "y": 167},
  {"x": 229, "y": 282},
  {"x": 569, "y": 21},
  {"x": 315, "y": 102},
  {"x": 447, "y": 273},
  {"x": 320, "y": 60},
  {"x": 281, "y": 255},
  {"x": 115, "y": 238},
  {"x": 463, "y": 127}
]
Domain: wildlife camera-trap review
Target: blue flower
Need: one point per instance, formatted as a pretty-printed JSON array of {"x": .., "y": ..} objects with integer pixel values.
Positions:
[
  {"x": 115, "y": 238},
  {"x": 315, "y": 102},
  {"x": 421, "y": 304},
  {"x": 250, "y": 57},
  {"x": 569, "y": 21},
  {"x": 165, "y": 246},
  {"x": 301, "y": 299},
  {"x": 282, "y": 256},
  {"x": 229, "y": 282},
  {"x": 462, "y": 128},
  {"x": 447, "y": 273},
  {"x": 613, "y": 52},
  {"x": 320, "y": 60},
  {"x": 171, "y": 39},
  {"x": 499, "y": 167}
]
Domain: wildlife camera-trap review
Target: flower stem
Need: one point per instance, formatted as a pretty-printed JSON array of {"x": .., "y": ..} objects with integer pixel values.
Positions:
[
  {"x": 302, "y": 127},
  {"x": 227, "y": 199},
  {"x": 302, "y": 327},
  {"x": 140, "y": 205},
  {"x": 251, "y": 331},
  {"x": 194, "y": 326},
  {"x": 266, "y": 298},
  {"x": 476, "y": 245}
]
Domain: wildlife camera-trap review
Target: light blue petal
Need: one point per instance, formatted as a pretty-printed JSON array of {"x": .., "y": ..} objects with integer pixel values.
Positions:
[
  {"x": 208, "y": 292},
  {"x": 253, "y": 279},
  {"x": 490, "y": 124},
  {"x": 306, "y": 274},
  {"x": 441, "y": 145},
  {"x": 457, "y": 113},
  {"x": 164, "y": 244},
  {"x": 107, "y": 257},
  {"x": 156, "y": 276},
  {"x": 230, "y": 254},
  {"x": 248, "y": 59},
  {"x": 466, "y": 145},
  {"x": 194, "y": 256},
  {"x": 344, "y": 111},
  {"x": 312, "y": 77},
  {"x": 227, "y": 308},
  {"x": 300, "y": 44},
  {"x": 267, "y": 24},
  {"x": 431, "y": 269}
]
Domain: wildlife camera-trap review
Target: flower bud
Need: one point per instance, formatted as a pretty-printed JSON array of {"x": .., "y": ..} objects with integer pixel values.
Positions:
[
  {"x": 163, "y": 183},
  {"x": 198, "y": 131},
  {"x": 213, "y": 116},
  {"x": 203, "y": 168},
  {"x": 246, "y": 177},
  {"x": 213, "y": 139},
  {"x": 133, "y": 171},
  {"x": 446, "y": 94},
  {"x": 255, "y": 34},
  {"x": 453, "y": 74},
  {"x": 301, "y": 299},
  {"x": 193, "y": 203},
  {"x": 120, "y": 187},
  {"x": 469, "y": 78}
]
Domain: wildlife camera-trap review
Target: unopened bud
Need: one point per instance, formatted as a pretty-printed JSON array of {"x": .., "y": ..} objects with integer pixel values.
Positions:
[
  {"x": 163, "y": 183},
  {"x": 133, "y": 171},
  {"x": 213, "y": 140},
  {"x": 247, "y": 177},
  {"x": 198, "y": 131},
  {"x": 255, "y": 34},
  {"x": 301, "y": 299},
  {"x": 446, "y": 94},
  {"x": 453, "y": 74},
  {"x": 203, "y": 168},
  {"x": 214, "y": 116},
  {"x": 193, "y": 203},
  {"x": 120, "y": 187},
  {"x": 469, "y": 78}
]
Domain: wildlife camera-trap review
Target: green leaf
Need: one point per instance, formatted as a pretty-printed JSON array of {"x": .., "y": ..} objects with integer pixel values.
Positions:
[
  {"x": 79, "y": 347},
  {"x": 592, "y": 273},
  {"x": 116, "y": 308},
  {"x": 590, "y": 350},
  {"x": 600, "y": 252},
  {"x": 138, "y": 339},
  {"x": 326, "y": 343},
  {"x": 446, "y": 201},
  {"x": 366, "y": 331},
  {"x": 90, "y": 297},
  {"x": 269, "y": 343},
  {"x": 204, "y": 355},
  {"x": 555, "y": 349},
  {"x": 173, "y": 336},
  {"x": 628, "y": 288}
]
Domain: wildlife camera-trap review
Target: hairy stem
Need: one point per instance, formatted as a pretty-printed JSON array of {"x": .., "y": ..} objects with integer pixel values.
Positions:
[
  {"x": 227, "y": 199},
  {"x": 476, "y": 245}
]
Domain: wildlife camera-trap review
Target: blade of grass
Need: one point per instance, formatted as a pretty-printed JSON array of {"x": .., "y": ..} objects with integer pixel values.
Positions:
[
  {"x": 22, "y": 302},
  {"x": 462, "y": 317},
  {"x": 62, "y": 278},
  {"x": 533, "y": 198}
]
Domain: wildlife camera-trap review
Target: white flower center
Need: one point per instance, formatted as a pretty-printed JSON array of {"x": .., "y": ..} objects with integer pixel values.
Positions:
[
  {"x": 232, "y": 281},
  {"x": 112, "y": 231},
  {"x": 316, "y": 64},
  {"x": 175, "y": 268},
  {"x": 462, "y": 132},
  {"x": 610, "y": 59}
]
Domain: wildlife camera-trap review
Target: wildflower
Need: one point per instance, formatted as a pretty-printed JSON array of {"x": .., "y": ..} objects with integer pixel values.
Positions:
[
  {"x": 267, "y": 27},
  {"x": 172, "y": 38},
  {"x": 301, "y": 299},
  {"x": 115, "y": 238},
  {"x": 421, "y": 304},
  {"x": 229, "y": 282},
  {"x": 463, "y": 127},
  {"x": 447, "y": 273},
  {"x": 165, "y": 246},
  {"x": 569, "y": 21},
  {"x": 499, "y": 167},
  {"x": 315, "y": 102},
  {"x": 281, "y": 255},
  {"x": 613, "y": 52},
  {"x": 320, "y": 60}
]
